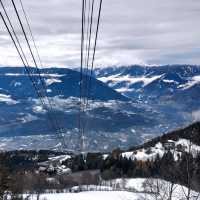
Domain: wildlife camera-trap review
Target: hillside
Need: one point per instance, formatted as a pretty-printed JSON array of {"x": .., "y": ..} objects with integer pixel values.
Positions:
[
  {"x": 169, "y": 156},
  {"x": 153, "y": 161},
  {"x": 191, "y": 132}
]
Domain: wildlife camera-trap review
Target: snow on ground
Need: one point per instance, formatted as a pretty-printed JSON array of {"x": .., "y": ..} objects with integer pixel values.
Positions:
[
  {"x": 194, "y": 148},
  {"x": 93, "y": 195},
  {"x": 140, "y": 189},
  {"x": 128, "y": 183},
  {"x": 159, "y": 186},
  {"x": 151, "y": 153},
  {"x": 61, "y": 158},
  {"x": 144, "y": 155}
]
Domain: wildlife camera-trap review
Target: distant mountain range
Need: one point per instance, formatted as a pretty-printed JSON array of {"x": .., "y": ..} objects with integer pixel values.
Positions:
[
  {"x": 173, "y": 90},
  {"x": 127, "y": 106},
  {"x": 155, "y": 83}
]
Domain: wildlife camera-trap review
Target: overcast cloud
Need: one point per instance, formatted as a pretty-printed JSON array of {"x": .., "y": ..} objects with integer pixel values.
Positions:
[{"x": 131, "y": 32}]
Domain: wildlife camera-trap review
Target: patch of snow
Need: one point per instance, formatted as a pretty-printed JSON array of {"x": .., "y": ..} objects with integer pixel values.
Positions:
[
  {"x": 158, "y": 149},
  {"x": 195, "y": 149},
  {"x": 124, "y": 89},
  {"x": 17, "y": 84},
  {"x": 61, "y": 158},
  {"x": 128, "y": 183},
  {"x": 140, "y": 189},
  {"x": 133, "y": 130},
  {"x": 14, "y": 74},
  {"x": 51, "y": 180},
  {"x": 27, "y": 118},
  {"x": 195, "y": 80},
  {"x": 144, "y": 185},
  {"x": 42, "y": 75},
  {"x": 143, "y": 155},
  {"x": 105, "y": 156},
  {"x": 92, "y": 195},
  {"x": 61, "y": 170},
  {"x": 52, "y": 80},
  {"x": 7, "y": 99},
  {"x": 49, "y": 90},
  {"x": 39, "y": 109},
  {"x": 169, "y": 81},
  {"x": 129, "y": 79}
]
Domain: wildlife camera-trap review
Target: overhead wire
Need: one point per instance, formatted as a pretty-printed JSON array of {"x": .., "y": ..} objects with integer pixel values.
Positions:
[
  {"x": 88, "y": 44},
  {"x": 95, "y": 44},
  {"x": 24, "y": 60},
  {"x": 44, "y": 88},
  {"x": 88, "y": 50},
  {"x": 81, "y": 75},
  {"x": 51, "y": 103},
  {"x": 90, "y": 9},
  {"x": 21, "y": 57},
  {"x": 31, "y": 33},
  {"x": 86, "y": 84}
]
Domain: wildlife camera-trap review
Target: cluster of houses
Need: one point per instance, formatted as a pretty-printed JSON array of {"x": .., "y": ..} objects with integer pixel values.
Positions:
[{"x": 53, "y": 167}]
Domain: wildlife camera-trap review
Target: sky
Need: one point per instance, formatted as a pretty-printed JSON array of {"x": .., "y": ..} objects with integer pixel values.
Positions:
[{"x": 146, "y": 32}]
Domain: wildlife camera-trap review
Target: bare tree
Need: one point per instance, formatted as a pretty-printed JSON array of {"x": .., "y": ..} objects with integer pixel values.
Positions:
[
  {"x": 159, "y": 189},
  {"x": 124, "y": 183},
  {"x": 187, "y": 190},
  {"x": 172, "y": 187}
]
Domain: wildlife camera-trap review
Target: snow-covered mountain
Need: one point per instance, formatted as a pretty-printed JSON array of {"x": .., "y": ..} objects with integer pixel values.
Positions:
[
  {"x": 177, "y": 142},
  {"x": 113, "y": 119},
  {"x": 140, "y": 81},
  {"x": 169, "y": 89}
]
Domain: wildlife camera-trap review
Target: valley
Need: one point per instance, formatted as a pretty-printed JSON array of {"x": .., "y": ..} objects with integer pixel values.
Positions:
[{"x": 114, "y": 118}]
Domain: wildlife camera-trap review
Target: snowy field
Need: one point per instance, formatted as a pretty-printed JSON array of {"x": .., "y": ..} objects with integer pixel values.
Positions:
[
  {"x": 93, "y": 195},
  {"x": 97, "y": 195},
  {"x": 141, "y": 189}
]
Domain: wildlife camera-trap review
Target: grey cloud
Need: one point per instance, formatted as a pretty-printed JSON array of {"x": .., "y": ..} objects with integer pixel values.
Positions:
[{"x": 131, "y": 32}]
